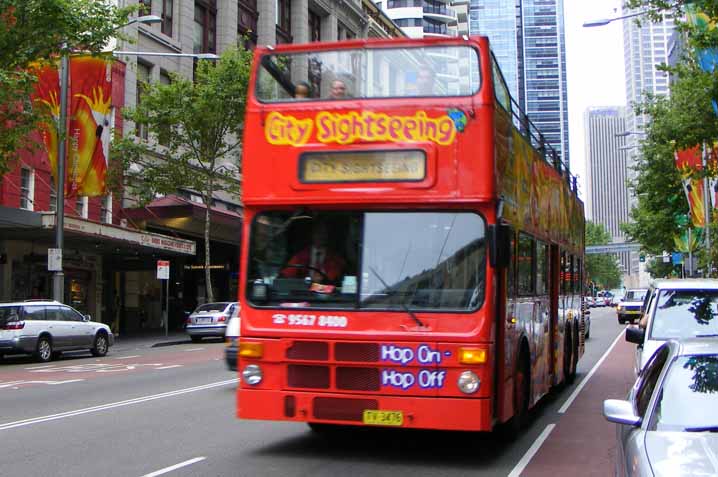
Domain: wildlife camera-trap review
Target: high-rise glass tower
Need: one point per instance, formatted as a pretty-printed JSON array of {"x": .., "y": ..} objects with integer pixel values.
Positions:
[{"x": 527, "y": 37}]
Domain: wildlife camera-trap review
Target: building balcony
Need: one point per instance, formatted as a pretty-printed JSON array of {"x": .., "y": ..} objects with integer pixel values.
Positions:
[{"x": 442, "y": 14}]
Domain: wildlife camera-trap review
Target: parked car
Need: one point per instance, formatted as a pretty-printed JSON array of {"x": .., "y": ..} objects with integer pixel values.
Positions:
[
  {"x": 629, "y": 308},
  {"x": 675, "y": 309},
  {"x": 668, "y": 425},
  {"x": 210, "y": 319},
  {"x": 46, "y": 328},
  {"x": 231, "y": 337},
  {"x": 590, "y": 301}
]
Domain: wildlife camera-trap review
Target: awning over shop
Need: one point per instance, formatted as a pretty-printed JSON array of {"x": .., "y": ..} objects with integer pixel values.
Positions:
[
  {"x": 174, "y": 212},
  {"x": 106, "y": 232}
]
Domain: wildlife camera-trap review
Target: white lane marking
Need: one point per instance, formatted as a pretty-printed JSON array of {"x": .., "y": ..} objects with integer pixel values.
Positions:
[
  {"x": 127, "y": 357},
  {"x": 521, "y": 465},
  {"x": 194, "y": 349},
  {"x": 104, "y": 407},
  {"x": 44, "y": 366},
  {"x": 175, "y": 467},
  {"x": 578, "y": 389},
  {"x": 171, "y": 366},
  {"x": 51, "y": 383}
]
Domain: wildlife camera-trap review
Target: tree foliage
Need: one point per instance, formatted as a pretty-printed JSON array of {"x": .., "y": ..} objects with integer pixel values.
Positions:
[
  {"x": 195, "y": 130},
  {"x": 37, "y": 30},
  {"x": 682, "y": 120},
  {"x": 601, "y": 268}
]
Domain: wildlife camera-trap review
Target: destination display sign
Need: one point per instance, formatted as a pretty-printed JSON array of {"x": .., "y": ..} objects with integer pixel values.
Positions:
[{"x": 363, "y": 166}]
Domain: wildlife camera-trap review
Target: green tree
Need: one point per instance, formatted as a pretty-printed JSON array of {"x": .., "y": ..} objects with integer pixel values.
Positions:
[
  {"x": 195, "y": 129},
  {"x": 601, "y": 268},
  {"x": 37, "y": 30}
]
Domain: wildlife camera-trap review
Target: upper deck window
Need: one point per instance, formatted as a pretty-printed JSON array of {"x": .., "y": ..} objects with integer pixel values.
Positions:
[{"x": 369, "y": 73}]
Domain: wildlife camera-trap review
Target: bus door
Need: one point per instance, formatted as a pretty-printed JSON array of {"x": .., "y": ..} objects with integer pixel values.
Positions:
[{"x": 554, "y": 292}]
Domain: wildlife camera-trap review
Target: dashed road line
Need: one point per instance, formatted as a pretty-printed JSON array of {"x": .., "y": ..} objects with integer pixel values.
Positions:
[
  {"x": 42, "y": 367},
  {"x": 127, "y": 357},
  {"x": 15, "y": 384},
  {"x": 521, "y": 465},
  {"x": 171, "y": 366},
  {"x": 104, "y": 407},
  {"x": 193, "y": 349},
  {"x": 175, "y": 467}
]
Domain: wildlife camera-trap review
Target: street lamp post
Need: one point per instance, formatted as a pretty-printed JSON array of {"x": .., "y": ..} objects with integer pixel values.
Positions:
[{"x": 58, "y": 278}]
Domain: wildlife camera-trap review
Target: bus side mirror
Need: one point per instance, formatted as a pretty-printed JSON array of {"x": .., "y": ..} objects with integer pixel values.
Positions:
[{"x": 499, "y": 245}]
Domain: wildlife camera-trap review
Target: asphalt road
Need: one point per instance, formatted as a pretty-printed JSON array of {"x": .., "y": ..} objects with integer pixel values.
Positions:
[{"x": 170, "y": 410}]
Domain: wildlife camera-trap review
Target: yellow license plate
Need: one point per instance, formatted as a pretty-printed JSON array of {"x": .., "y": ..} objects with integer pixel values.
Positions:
[{"x": 383, "y": 418}]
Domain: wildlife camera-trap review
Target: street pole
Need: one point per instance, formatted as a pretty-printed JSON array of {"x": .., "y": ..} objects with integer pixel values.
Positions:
[
  {"x": 58, "y": 278},
  {"x": 707, "y": 210}
]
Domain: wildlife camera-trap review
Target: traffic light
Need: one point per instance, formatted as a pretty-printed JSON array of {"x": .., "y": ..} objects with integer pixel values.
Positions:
[{"x": 642, "y": 258}]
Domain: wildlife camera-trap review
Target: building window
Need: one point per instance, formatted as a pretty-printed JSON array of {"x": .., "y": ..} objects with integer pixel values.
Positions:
[
  {"x": 53, "y": 198},
  {"x": 344, "y": 33},
  {"x": 284, "y": 21},
  {"x": 106, "y": 209},
  {"x": 205, "y": 26},
  {"x": 27, "y": 188},
  {"x": 81, "y": 206},
  {"x": 167, "y": 14},
  {"x": 247, "y": 23},
  {"x": 315, "y": 27},
  {"x": 146, "y": 8},
  {"x": 143, "y": 79}
]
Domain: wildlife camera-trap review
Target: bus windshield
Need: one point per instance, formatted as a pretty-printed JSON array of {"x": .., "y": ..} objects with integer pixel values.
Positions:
[
  {"x": 368, "y": 260},
  {"x": 369, "y": 73}
]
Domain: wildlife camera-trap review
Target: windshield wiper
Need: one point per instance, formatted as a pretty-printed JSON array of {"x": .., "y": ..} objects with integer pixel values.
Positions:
[
  {"x": 702, "y": 429},
  {"x": 403, "y": 305},
  {"x": 707, "y": 335}
]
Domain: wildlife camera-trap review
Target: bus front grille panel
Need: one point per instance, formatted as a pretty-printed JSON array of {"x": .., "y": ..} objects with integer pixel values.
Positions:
[
  {"x": 308, "y": 350},
  {"x": 315, "y": 377},
  {"x": 358, "y": 379},
  {"x": 357, "y": 352},
  {"x": 340, "y": 409}
]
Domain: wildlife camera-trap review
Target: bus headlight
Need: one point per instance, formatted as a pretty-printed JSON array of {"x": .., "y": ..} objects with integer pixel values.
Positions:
[
  {"x": 252, "y": 374},
  {"x": 468, "y": 382}
]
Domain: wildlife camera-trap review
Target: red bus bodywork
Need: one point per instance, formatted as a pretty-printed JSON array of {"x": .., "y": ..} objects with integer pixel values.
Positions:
[{"x": 383, "y": 360}]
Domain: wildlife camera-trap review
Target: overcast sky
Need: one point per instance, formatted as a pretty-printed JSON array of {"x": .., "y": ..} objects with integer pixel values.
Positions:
[{"x": 594, "y": 63}]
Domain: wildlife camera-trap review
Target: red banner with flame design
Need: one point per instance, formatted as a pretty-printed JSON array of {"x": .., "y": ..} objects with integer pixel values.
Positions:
[{"x": 88, "y": 128}]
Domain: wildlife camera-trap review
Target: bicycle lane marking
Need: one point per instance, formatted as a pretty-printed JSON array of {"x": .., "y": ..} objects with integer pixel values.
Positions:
[{"x": 583, "y": 442}]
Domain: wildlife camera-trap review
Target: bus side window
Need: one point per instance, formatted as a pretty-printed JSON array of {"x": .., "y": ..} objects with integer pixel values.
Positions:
[
  {"x": 541, "y": 268},
  {"x": 526, "y": 261}
]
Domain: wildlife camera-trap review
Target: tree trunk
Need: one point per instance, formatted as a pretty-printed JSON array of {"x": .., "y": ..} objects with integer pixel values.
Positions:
[{"x": 207, "y": 270}]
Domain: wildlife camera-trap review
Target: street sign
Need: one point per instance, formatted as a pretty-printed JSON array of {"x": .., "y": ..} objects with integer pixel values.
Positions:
[
  {"x": 677, "y": 258},
  {"x": 613, "y": 248},
  {"x": 54, "y": 259},
  {"x": 163, "y": 269}
]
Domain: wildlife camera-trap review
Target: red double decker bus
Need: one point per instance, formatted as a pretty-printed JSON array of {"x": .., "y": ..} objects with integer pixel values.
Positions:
[{"x": 412, "y": 252}]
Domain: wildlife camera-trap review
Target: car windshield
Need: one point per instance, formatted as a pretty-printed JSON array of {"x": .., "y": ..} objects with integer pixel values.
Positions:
[
  {"x": 684, "y": 314},
  {"x": 369, "y": 73},
  {"x": 635, "y": 295},
  {"x": 689, "y": 396},
  {"x": 8, "y": 314},
  {"x": 377, "y": 260},
  {"x": 209, "y": 307}
]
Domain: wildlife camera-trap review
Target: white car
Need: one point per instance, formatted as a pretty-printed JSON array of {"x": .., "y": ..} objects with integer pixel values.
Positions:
[
  {"x": 46, "y": 328},
  {"x": 629, "y": 308},
  {"x": 676, "y": 309},
  {"x": 231, "y": 338}
]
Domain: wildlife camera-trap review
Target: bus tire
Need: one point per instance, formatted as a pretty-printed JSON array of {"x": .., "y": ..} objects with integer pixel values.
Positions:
[
  {"x": 567, "y": 355},
  {"x": 522, "y": 380}
]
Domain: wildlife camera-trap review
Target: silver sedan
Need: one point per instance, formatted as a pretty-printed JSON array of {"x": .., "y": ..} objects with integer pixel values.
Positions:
[{"x": 668, "y": 426}]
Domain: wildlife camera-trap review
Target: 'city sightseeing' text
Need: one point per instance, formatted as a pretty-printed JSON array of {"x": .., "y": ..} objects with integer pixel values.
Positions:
[{"x": 281, "y": 130}]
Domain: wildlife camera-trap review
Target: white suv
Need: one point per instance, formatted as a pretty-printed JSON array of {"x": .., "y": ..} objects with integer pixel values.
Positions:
[{"x": 46, "y": 328}]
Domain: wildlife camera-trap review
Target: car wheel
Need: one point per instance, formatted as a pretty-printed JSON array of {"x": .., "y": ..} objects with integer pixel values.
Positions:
[
  {"x": 621, "y": 321},
  {"x": 101, "y": 345},
  {"x": 196, "y": 339},
  {"x": 43, "y": 351}
]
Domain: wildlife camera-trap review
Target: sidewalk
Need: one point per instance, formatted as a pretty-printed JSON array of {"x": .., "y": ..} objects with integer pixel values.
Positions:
[
  {"x": 583, "y": 442},
  {"x": 150, "y": 340}
]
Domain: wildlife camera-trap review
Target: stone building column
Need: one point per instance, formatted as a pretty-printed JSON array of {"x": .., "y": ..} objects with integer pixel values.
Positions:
[
  {"x": 227, "y": 18},
  {"x": 267, "y": 22},
  {"x": 300, "y": 21},
  {"x": 329, "y": 27}
]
